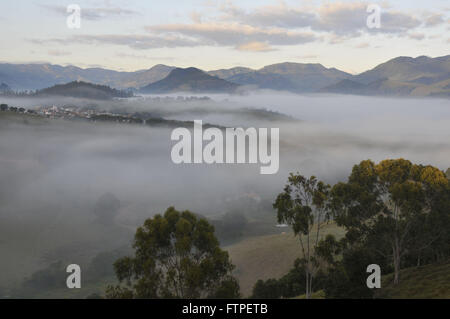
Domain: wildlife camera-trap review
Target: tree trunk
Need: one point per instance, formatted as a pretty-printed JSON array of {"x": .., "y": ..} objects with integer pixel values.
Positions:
[
  {"x": 396, "y": 253},
  {"x": 307, "y": 292}
]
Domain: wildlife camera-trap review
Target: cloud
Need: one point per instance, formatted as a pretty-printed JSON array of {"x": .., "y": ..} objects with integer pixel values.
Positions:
[
  {"x": 275, "y": 15},
  {"x": 351, "y": 18},
  {"x": 132, "y": 41},
  {"x": 434, "y": 20},
  {"x": 260, "y": 29},
  {"x": 416, "y": 36},
  {"x": 342, "y": 18},
  {"x": 232, "y": 34},
  {"x": 58, "y": 53},
  {"x": 143, "y": 57},
  {"x": 196, "y": 17},
  {"x": 93, "y": 13},
  {"x": 255, "y": 47},
  {"x": 363, "y": 45}
]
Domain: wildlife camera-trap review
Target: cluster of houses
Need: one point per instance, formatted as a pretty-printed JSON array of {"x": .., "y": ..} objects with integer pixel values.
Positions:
[
  {"x": 64, "y": 112},
  {"x": 179, "y": 98},
  {"x": 69, "y": 113}
]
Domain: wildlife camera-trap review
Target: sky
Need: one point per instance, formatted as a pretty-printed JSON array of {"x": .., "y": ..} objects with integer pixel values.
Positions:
[{"x": 130, "y": 35}]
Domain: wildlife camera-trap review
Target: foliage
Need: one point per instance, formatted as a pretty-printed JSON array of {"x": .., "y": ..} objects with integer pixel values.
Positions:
[
  {"x": 230, "y": 227},
  {"x": 176, "y": 256},
  {"x": 304, "y": 206},
  {"x": 425, "y": 282},
  {"x": 51, "y": 277},
  {"x": 347, "y": 277},
  {"x": 289, "y": 286},
  {"x": 107, "y": 208},
  {"x": 389, "y": 208},
  {"x": 101, "y": 266}
]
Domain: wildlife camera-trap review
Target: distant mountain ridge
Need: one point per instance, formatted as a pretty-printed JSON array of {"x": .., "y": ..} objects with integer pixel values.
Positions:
[
  {"x": 421, "y": 76},
  {"x": 40, "y": 76},
  {"x": 287, "y": 76},
  {"x": 4, "y": 87},
  {"x": 78, "y": 89},
  {"x": 407, "y": 69},
  {"x": 190, "y": 80},
  {"x": 228, "y": 73}
]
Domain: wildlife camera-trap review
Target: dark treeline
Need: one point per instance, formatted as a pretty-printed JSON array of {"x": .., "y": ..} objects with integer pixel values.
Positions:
[
  {"x": 76, "y": 89},
  {"x": 396, "y": 214}
]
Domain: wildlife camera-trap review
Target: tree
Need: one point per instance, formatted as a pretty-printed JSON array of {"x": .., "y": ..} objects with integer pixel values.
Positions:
[
  {"x": 107, "y": 208},
  {"x": 4, "y": 107},
  {"x": 230, "y": 227},
  {"x": 289, "y": 286},
  {"x": 346, "y": 278},
  {"x": 303, "y": 205},
  {"x": 176, "y": 256},
  {"x": 52, "y": 277},
  {"x": 268, "y": 289},
  {"x": 382, "y": 206}
]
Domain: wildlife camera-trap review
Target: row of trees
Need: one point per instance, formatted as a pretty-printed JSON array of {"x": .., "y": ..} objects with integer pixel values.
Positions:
[
  {"x": 395, "y": 214},
  {"x": 5, "y": 107}
]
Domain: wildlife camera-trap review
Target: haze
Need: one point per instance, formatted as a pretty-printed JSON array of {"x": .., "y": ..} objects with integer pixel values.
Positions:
[{"x": 52, "y": 172}]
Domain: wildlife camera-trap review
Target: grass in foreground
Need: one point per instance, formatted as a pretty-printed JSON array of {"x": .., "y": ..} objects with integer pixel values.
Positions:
[
  {"x": 427, "y": 282},
  {"x": 268, "y": 256}
]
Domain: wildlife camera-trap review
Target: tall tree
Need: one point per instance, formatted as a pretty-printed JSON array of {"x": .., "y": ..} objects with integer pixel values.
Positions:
[
  {"x": 303, "y": 205},
  {"x": 176, "y": 256},
  {"x": 382, "y": 205}
]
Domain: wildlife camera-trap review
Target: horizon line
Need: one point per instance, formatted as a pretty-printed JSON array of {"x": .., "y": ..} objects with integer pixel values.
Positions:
[{"x": 237, "y": 66}]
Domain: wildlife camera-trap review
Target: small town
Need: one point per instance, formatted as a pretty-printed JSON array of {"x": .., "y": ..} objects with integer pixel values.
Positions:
[{"x": 73, "y": 113}]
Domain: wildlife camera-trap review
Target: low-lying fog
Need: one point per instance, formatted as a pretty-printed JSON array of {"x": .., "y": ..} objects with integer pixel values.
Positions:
[{"x": 52, "y": 172}]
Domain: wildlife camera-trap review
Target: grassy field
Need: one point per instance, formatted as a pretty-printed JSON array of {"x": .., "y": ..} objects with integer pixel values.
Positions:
[
  {"x": 269, "y": 256},
  {"x": 430, "y": 281},
  {"x": 315, "y": 295},
  {"x": 98, "y": 287}
]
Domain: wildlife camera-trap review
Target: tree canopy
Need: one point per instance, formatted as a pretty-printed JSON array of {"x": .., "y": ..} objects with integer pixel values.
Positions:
[
  {"x": 176, "y": 256},
  {"x": 387, "y": 206},
  {"x": 304, "y": 205}
]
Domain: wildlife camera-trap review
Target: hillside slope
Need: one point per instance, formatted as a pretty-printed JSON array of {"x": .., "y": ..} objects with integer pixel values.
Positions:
[
  {"x": 269, "y": 256},
  {"x": 420, "y": 70},
  {"x": 288, "y": 76},
  {"x": 40, "y": 76},
  {"x": 190, "y": 80},
  {"x": 83, "y": 90},
  {"x": 430, "y": 281}
]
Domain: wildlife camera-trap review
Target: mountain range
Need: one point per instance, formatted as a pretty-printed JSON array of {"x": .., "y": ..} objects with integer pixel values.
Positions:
[
  {"x": 190, "y": 80},
  {"x": 79, "y": 89},
  {"x": 421, "y": 76},
  {"x": 294, "y": 77},
  {"x": 40, "y": 76}
]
